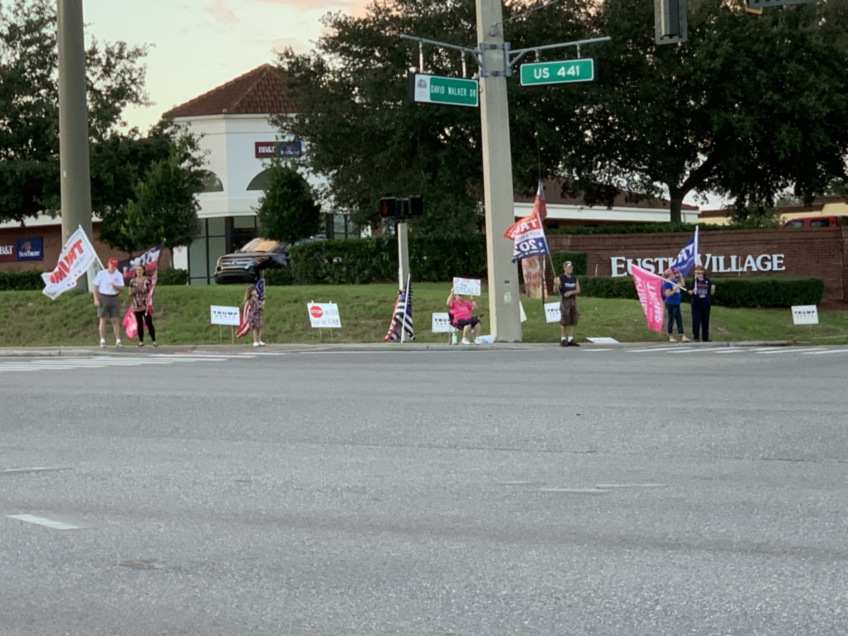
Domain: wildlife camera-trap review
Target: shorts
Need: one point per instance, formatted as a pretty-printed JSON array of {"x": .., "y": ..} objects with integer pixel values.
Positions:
[
  {"x": 568, "y": 313},
  {"x": 473, "y": 321},
  {"x": 110, "y": 307}
]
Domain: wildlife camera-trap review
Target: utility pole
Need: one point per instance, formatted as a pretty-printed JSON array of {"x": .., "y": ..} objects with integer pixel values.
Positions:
[
  {"x": 498, "y": 193},
  {"x": 495, "y": 59},
  {"x": 74, "y": 170}
]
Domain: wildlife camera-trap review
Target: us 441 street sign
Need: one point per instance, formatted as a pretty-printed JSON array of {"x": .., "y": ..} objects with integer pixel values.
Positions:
[{"x": 563, "y": 72}]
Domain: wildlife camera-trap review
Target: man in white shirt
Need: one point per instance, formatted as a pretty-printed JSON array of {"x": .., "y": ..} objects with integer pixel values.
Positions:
[{"x": 106, "y": 286}]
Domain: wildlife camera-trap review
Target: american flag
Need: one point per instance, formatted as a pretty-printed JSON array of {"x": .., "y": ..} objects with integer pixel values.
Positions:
[{"x": 402, "y": 317}]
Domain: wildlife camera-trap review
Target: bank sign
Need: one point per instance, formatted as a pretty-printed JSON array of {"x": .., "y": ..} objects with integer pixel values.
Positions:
[
  {"x": 23, "y": 249},
  {"x": 714, "y": 264},
  {"x": 277, "y": 149}
]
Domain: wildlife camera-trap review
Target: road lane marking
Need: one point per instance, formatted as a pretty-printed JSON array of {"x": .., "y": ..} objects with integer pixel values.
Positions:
[{"x": 44, "y": 521}]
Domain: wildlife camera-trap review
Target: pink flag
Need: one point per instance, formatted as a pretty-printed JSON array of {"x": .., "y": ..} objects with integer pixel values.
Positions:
[
  {"x": 130, "y": 324},
  {"x": 649, "y": 288}
]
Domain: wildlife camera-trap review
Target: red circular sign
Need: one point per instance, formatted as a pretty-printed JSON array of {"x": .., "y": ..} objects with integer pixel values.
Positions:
[{"x": 315, "y": 311}]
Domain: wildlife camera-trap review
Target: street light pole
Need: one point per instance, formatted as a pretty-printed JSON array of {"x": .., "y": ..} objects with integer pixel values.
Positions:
[
  {"x": 504, "y": 315},
  {"x": 74, "y": 170}
]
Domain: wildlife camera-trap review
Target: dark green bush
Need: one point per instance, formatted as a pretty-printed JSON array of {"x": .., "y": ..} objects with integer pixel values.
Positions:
[
  {"x": 750, "y": 291},
  {"x": 17, "y": 281},
  {"x": 171, "y": 276},
  {"x": 376, "y": 260},
  {"x": 278, "y": 277}
]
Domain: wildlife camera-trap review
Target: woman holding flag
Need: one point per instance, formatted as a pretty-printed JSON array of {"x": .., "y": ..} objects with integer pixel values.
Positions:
[
  {"x": 251, "y": 316},
  {"x": 141, "y": 299},
  {"x": 671, "y": 295}
]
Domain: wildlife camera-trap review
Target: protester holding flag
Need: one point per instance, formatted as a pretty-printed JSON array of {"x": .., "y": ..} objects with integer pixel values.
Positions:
[
  {"x": 461, "y": 310},
  {"x": 251, "y": 316},
  {"x": 106, "y": 286},
  {"x": 671, "y": 294},
  {"x": 701, "y": 290},
  {"x": 568, "y": 288},
  {"x": 141, "y": 293}
]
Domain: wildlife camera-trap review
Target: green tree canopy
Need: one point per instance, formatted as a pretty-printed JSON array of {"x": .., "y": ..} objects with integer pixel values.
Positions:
[
  {"x": 29, "y": 116},
  {"x": 287, "y": 210},
  {"x": 748, "y": 107},
  {"x": 163, "y": 209}
]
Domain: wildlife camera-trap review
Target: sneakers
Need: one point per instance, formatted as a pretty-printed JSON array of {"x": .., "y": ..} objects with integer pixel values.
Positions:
[
  {"x": 573, "y": 343},
  {"x": 102, "y": 343},
  {"x": 672, "y": 339},
  {"x": 684, "y": 339},
  {"x": 256, "y": 344},
  {"x": 465, "y": 341},
  {"x": 261, "y": 344},
  {"x": 154, "y": 344},
  {"x": 118, "y": 343},
  {"x": 563, "y": 342},
  {"x": 140, "y": 344}
]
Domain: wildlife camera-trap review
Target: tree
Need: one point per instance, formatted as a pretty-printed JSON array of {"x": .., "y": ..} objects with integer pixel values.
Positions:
[
  {"x": 29, "y": 116},
  {"x": 748, "y": 107},
  {"x": 163, "y": 210},
  {"x": 287, "y": 210}
]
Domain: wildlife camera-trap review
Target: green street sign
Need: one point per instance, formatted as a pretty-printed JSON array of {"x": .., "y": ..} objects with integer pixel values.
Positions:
[
  {"x": 558, "y": 72},
  {"x": 453, "y": 91}
]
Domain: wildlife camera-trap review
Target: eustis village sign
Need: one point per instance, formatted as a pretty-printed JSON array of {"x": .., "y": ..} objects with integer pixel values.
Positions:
[{"x": 715, "y": 264}]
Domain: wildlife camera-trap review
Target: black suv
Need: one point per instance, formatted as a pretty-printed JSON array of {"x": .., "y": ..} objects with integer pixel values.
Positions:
[{"x": 245, "y": 265}]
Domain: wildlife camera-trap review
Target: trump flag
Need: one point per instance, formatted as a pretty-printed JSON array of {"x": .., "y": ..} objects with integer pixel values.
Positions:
[{"x": 649, "y": 288}]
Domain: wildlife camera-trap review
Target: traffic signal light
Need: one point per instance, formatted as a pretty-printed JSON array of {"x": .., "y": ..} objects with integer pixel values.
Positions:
[
  {"x": 389, "y": 207},
  {"x": 401, "y": 208}
]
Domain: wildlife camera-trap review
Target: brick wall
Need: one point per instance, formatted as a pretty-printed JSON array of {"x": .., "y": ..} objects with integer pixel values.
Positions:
[{"x": 820, "y": 252}]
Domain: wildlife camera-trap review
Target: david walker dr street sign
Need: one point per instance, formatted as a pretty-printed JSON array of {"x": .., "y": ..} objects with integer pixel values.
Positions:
[
  {"x": 558, "y": 72},
  {"x": 453, "y": 91}
]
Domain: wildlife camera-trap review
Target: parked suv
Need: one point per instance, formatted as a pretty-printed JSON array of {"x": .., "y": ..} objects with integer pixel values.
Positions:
[{"x": 245, "y": 265}]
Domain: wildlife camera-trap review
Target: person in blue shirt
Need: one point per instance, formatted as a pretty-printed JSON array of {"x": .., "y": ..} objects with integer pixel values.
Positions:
[{"x": 671, "y": 287}]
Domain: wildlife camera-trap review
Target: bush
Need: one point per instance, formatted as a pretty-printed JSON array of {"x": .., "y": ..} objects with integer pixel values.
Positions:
[
  {"x": 18, "y": 281},
  {"x": 376, "y": 260},
  {"x": 751, "y": 291},
  {"x": 278, "y": 277},
  {"x": 171, "y": 276}
]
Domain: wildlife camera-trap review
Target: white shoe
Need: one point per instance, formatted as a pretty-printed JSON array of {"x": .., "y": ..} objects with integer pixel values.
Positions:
[
  {"x": 256, "y": 344},
  {"x": 118, "y": 343},
  {"x": 102, "y": 343},
  {"x": 261, "y": 344},
  {"x": 465, "y": 341}
]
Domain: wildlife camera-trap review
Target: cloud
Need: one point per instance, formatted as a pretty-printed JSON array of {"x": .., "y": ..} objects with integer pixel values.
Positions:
[
  {"x": 221, "y": 12},
  {"x": 354, "y": 7}
]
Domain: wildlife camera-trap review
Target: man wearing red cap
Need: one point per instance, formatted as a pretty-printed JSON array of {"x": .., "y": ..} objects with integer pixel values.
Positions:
[{"x": 106, "y": 286}]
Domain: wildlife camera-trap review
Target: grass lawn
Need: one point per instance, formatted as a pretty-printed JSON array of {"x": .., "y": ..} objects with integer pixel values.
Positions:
[{"x": 28, "y": 318}]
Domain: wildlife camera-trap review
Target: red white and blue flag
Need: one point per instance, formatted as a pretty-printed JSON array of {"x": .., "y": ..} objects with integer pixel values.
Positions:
[
  {"x": 249, "y": 308},
  {"x": 401, "y": 327},
  {"x": 688, "y": 256},
  {"x": 528, "y": 233}
]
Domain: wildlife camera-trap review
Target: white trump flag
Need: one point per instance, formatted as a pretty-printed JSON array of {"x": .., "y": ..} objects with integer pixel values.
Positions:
[{"x": 76, "y": 257}]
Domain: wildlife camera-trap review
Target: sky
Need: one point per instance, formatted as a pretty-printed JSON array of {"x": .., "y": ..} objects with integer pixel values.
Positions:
[{"x": 197, "y": 45}]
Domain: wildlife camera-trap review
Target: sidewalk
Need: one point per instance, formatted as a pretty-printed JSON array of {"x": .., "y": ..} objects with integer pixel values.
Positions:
[{"x": 232, "y": 349}]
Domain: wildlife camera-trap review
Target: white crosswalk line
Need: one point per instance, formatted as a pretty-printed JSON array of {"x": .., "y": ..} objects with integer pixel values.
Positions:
[
  {"x": 822, "y": 352},
  {"x": 787, "y": 350},
  {"x": 63, "y": 363}
]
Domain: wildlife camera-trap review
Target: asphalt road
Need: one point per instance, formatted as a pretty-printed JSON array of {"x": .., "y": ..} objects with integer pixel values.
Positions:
[{"x": 439, "y": 491}]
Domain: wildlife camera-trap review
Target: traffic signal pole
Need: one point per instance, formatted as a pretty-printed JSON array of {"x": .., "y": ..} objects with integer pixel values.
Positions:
[{"x": 499, "y": 199}]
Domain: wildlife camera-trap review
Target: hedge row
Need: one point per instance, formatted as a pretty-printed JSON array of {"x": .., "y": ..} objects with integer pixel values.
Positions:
[
  {"x": 751, "y": 291},
  {"x": 19, "y": 281}
]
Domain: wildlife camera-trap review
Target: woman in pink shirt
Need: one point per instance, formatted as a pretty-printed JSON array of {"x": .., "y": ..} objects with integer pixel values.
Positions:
[{"x": 461, "y": 310}]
